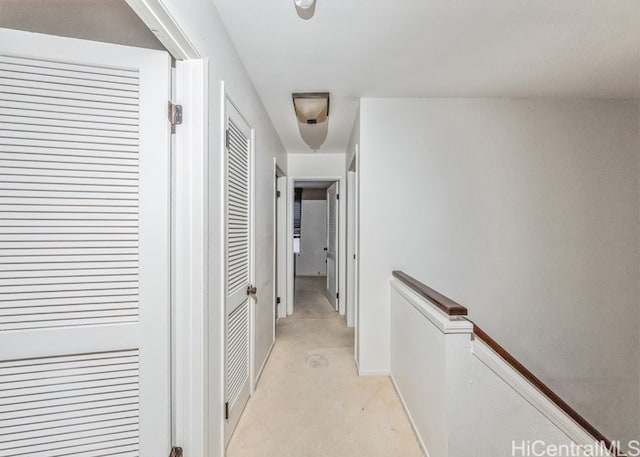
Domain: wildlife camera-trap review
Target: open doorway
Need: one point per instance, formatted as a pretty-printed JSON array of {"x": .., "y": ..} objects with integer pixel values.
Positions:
[{"x": 315, "y": 246}]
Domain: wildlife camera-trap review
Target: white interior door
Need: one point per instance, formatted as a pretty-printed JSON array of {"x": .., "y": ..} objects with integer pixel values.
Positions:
[
  {"x": 84, "y": 248},
  {"x": 238, "y": 268},
  {"x": 332, "y": 244}
]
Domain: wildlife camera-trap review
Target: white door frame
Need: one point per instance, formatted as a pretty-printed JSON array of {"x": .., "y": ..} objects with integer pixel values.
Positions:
[
  {"x": 190, "y": 415},
  {"x": 280, "y": 245},
  {"x": 351, "y": 236},
  {"x": 353, "y": 259},
  {"x": 341, "y": 239}
]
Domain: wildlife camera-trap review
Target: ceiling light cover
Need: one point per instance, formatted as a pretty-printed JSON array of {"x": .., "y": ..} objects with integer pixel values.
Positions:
[
  {"x": 311, "y": 108},
  {"x": 304, "y": 4}
]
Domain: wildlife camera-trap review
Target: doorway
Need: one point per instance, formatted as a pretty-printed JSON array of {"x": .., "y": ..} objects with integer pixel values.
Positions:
[{"x": 315, "y": 243}]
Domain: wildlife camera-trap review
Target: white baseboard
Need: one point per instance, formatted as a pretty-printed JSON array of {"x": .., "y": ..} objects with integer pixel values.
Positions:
[
  {"x": 408, "y": 413},
  {"x": 362, "y": 372},
  {"x": 264, "y": 364}
]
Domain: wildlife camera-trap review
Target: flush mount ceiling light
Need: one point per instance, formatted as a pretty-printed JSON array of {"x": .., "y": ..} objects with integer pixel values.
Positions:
[
  {"x": 305, "y": 8},
  {"x": 311, "y": 107},
  {"x": 312, "y": 113}
]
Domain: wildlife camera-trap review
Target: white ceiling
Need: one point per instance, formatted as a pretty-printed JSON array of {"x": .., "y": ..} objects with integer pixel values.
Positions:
[{"x": 432, "y": 48}]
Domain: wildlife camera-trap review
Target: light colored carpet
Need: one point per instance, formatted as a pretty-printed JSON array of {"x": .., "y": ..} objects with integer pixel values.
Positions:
[{"x": 310, "y": 401}]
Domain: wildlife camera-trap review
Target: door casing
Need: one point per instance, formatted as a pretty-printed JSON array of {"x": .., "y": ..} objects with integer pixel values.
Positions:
[{"x": 195, "y": 366}]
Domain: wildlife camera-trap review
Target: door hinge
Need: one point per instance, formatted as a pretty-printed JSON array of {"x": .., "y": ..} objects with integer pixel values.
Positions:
[
  {"x": 176, "y": 452},
  {"x": 277, "y": 300},
  {"x": 337, "y": 196},
  {"x": 226, "y": 411},
  {"x": 277, "y": 194},
  {"x": 337, "y": 296},
  {"x": 175, "y": 114},
  {"x": 226, "y": 139}
]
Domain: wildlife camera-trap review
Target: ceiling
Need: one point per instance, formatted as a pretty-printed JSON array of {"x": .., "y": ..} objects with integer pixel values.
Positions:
[{"x": 432, "y": 48}]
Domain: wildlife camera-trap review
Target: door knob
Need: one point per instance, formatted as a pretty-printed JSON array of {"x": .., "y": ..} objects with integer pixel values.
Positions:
[{"x": 251, "y": 290}]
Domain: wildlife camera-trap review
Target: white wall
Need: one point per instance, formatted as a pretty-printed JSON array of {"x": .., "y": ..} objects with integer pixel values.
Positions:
[
  {"x": 312, "y": 257},
  {"x": 528, "y": 213},
  {"x": 316, "y": 165},
  {"x": 202, "y": 24},
  {"x": 110, "y": 21}
]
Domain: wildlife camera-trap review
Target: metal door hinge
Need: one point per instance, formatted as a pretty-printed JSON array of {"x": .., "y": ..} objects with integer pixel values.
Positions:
[
  {"x": 175, "y": 114},
  {"x": 337, "y": 296},
  {"x": 337, "y": 196},
  {"x": 277, "y": 194},
  {"x": 176, "y": 452},
  {"x": 277, "y": 300},
  {"x": 226, "y": 139},
  {"x": 226, "y": 411}
]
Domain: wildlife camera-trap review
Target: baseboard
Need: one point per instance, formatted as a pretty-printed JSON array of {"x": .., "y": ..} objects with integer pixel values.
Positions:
[
  {"x": 264, "y": 364},
  {"x": 406, "y": 411},
  {"x": 373, "y": 372}
]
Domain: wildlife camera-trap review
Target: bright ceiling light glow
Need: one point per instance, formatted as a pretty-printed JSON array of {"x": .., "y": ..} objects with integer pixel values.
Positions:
[{"x": 304, "y": 4}]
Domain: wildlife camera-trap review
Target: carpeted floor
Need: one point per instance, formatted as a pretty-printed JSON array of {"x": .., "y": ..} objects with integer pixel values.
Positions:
[{"x": 310, "y": 402}]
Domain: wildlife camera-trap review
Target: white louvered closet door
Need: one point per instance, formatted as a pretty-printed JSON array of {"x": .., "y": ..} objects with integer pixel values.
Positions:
[
  {"x": 332, "y": 244},
  {"x": 238, "y": 267},
  {"x": 84, "y": 248}
]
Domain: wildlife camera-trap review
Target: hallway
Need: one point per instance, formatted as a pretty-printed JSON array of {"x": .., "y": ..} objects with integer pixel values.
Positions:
[{"x": 310, "y": 401}]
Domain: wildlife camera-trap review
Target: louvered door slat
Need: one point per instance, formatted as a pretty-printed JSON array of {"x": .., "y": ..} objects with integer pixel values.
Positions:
[
  {"x": 50, "y": 162},
  {"x": 66, "y": 68},
  {"x": 25, "y": 119},
  {"x": 83, "y": 272},
  {"x": 73, "y": 86},
  {"x": 26, "y": 75},
  {"x": 14, "y": 106},
  {"x": 99, "y": 106}
]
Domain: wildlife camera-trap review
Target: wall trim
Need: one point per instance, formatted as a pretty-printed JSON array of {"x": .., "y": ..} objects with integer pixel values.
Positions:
[
  {"x": 164, "y": 26},
  {"x": 408, "y": 413},
  {"x": 532, "y": 395},
  {"x": 362, "y": 372},
  {"x": 190, "y": 348},
  {"x": 264, "y": 364}
]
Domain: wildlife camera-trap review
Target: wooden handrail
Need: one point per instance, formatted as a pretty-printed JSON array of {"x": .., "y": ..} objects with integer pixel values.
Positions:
[
  {"x": 443, "y": 303},
  {"x": 452, "y": 308},
  {"x": 543, "y": 388}
]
